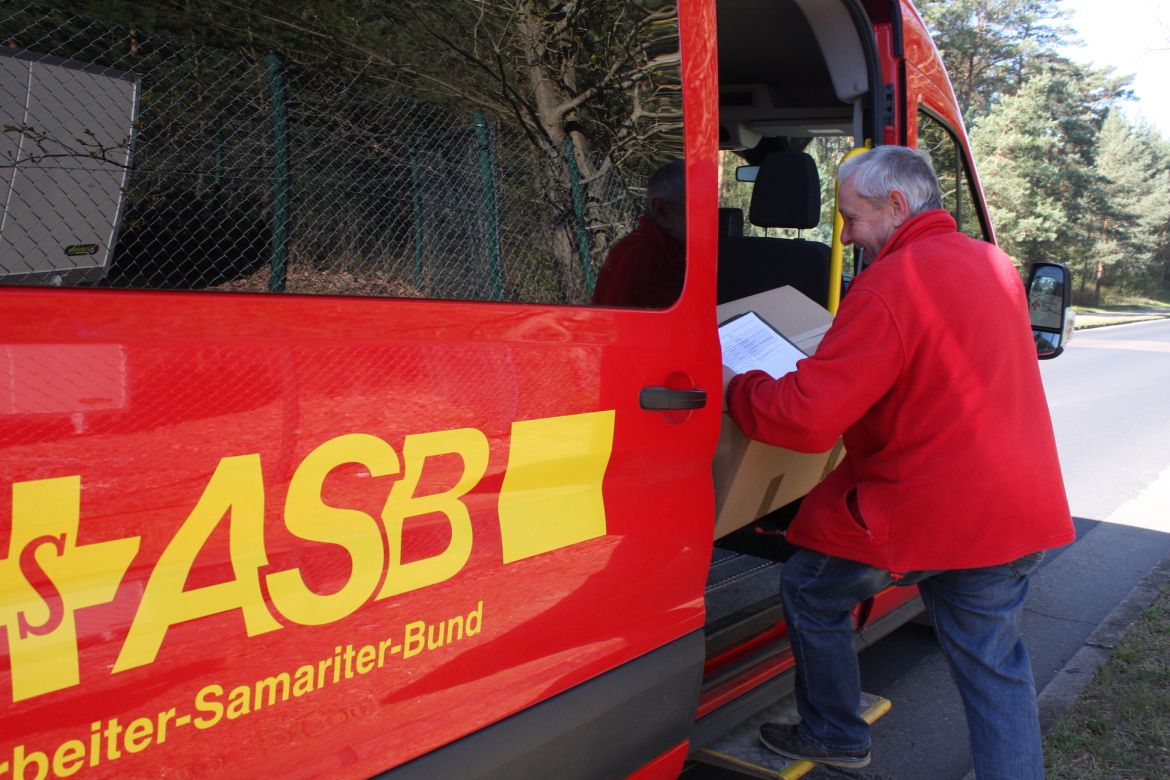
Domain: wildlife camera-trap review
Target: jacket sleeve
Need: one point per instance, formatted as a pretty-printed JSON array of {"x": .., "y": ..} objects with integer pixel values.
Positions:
[{"x": 807, "y": 410}]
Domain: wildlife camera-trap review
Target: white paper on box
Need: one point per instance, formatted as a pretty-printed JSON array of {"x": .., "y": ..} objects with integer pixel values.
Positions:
[{"x": 749, "y": 343}]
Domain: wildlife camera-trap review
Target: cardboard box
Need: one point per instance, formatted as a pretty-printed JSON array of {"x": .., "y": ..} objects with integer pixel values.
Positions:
[{"x": 751, "y": 478}]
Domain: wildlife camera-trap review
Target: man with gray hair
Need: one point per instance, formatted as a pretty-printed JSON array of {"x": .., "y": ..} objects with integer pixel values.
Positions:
[
  {"x": 646, "y": 268},
  {"x": 950, "y": 479}
]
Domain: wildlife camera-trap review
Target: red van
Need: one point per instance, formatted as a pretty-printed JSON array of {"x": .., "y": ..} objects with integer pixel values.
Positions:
[{"x": 457, "y": 523}]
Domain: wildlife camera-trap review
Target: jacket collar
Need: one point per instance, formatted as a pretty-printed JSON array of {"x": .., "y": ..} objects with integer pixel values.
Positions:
[{"x": 928, "y": 223}]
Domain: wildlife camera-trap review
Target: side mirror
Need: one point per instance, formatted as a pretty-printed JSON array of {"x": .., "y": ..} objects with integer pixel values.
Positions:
[{"x": 1049, "y": 294}]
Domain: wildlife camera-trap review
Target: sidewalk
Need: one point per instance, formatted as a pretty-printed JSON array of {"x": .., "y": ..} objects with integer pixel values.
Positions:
[{"x": 1062, "y": 691}]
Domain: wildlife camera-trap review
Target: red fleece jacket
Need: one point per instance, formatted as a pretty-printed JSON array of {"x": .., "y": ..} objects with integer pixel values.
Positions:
[
  {"x": 646, "y": 268},
  {"x": 929, "y": 372}
]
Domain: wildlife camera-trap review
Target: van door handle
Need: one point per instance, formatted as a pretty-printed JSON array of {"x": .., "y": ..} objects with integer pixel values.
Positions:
[{"x": 665, "y": 399}]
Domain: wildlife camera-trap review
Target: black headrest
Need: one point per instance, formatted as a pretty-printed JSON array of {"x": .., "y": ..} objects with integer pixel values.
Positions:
[
  {"x": 787, "y": 193},
  {"x": 730, "y": 222}
]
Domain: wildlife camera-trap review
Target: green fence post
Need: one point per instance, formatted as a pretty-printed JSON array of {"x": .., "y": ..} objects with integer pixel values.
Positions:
[
  {"x": 579, "y": 211},
  {"x": 491, "y": 209},
  {"x": 280, "y": 175}
]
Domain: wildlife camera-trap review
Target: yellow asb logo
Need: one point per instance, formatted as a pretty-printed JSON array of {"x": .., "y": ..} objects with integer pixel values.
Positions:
[{"x": 551, "y": 498}]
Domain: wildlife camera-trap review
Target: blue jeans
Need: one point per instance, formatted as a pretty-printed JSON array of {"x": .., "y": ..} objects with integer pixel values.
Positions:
[{"x": 976, "y": 613}]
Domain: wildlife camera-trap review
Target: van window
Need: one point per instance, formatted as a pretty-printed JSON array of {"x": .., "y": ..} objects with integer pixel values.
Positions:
[
  {"x": 480, "y": 154},
  {"x": 953, "y": 173}
]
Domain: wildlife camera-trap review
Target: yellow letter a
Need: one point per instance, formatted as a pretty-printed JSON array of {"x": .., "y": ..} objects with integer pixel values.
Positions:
[{"x": 237, "y": 485}]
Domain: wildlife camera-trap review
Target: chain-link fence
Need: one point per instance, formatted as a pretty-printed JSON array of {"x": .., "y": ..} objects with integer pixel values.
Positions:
[{"x": 129, "y": 159}]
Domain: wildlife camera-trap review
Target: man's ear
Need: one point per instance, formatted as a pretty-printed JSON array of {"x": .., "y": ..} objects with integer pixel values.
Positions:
[{"x": 901, "y": 206}]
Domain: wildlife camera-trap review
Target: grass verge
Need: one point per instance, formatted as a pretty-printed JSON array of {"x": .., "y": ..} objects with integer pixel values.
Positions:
[
  {"x": 1092, "y": 320},
  {"x": 1120, "y": 724},
  {"x": 1115, "y": 301},
  {"x": 1120, "y": 309}
]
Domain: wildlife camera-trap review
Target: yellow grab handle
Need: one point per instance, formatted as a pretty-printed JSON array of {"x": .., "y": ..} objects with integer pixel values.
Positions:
[{"x": 837, "y": 252}]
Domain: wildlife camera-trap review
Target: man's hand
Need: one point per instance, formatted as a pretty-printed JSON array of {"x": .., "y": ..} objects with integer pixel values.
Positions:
[{"x": 727, "y": 375}]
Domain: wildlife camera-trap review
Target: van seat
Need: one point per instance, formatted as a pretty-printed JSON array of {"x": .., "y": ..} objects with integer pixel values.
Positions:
[
  {"x": 730, "y": 222},
  {"x": 787, "y": 194}
]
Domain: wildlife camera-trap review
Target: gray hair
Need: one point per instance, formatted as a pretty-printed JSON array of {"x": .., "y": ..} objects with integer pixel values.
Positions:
[
  {"x": 880, "y": 171},
  {"x": 669, "y": 183}
]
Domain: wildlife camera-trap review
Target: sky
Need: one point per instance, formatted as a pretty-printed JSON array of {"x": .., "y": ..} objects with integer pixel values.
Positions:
[{"x": 1132, "y": 37}]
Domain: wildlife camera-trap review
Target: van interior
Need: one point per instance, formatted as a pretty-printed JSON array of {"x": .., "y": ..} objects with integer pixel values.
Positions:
[{"x": 796, "y": 81}]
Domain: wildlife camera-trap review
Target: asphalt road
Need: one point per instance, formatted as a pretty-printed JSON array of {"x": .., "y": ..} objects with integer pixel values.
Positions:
[{"x": 1110, "y": 399}]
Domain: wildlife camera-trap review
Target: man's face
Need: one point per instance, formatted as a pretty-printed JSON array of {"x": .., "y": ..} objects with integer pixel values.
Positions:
[
  {"x": 869, "y": 225},
  {"x": 671, "y": 217}
]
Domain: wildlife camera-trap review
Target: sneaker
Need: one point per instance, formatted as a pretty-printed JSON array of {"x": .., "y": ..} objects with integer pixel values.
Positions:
[{"x": 785, "y": 739}]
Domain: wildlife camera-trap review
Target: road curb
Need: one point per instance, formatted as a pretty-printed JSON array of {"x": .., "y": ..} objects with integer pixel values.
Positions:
[{"x": 1066, "y": 686}]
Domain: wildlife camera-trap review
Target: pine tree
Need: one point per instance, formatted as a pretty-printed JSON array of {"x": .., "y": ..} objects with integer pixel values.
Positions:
[
  {"x": 1136, "y": 174},
  {"x": 1037, "y": 156},
  {"x": 990, "y": 47}
]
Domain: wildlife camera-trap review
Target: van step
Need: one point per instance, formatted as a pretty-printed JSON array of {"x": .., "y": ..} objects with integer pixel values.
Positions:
[
  {"x": 753, "y": 619},
  {"x": 736, "y": 567},
  {"x": 736, "y": 581},
  {"x": 740, "y": 750}
]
